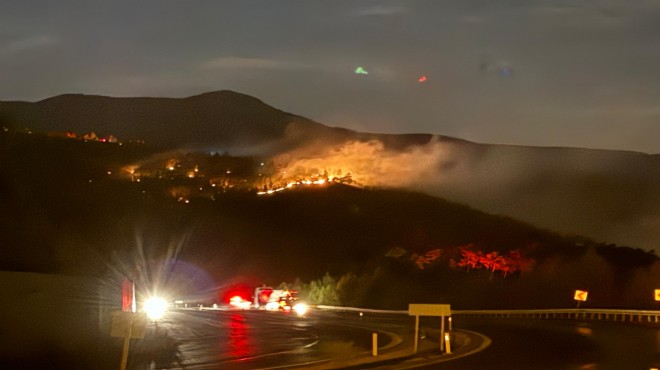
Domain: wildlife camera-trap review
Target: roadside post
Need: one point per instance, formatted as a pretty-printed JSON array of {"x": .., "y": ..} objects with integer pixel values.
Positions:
[
  {"x": 448, "y": 343},
  {"x": 442, "y": 310},
  {"x": 442, "y": 334},
  {"x": 374, "y": 344},
  {"x": 127, "y": 342},
  {"x": 416, "y": 331},
  {"x": 128, "y": 325}
]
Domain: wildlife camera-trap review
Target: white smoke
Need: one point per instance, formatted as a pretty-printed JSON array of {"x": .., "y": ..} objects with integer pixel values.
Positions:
[
  {"x": 606, "y": 195},
  {"x": 370, "y": 163}
]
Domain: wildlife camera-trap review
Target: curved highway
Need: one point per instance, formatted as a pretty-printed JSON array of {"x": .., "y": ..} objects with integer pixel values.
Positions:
[
  {"x": 255, "y": 339},
  {"x": 523, "y": 344}
]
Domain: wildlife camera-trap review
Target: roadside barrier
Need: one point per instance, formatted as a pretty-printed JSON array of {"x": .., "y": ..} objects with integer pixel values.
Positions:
[{"x": 614, "y": 315}]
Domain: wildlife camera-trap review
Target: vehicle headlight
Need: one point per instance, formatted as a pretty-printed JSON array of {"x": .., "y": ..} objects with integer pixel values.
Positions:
[
  {"x": 155, "y": 307},
  {"x": 300, "y": 308}
]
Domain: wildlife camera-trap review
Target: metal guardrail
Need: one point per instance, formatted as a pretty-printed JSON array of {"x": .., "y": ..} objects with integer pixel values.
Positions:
[
  {"x": 616, "y": 315},
  {"x": 362, "y": 310}
]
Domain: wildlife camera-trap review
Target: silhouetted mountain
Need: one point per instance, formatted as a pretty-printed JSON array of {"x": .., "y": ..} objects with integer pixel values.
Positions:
[
  {"x": 609, "y": 195},
  {"x": 221, "y": 119}
]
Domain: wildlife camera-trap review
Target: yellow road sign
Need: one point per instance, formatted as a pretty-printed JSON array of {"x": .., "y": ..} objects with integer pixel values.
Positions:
[{"x": 580, "y": 295}]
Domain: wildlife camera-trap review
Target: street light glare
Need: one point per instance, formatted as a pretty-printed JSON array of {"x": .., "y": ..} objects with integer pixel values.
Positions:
[{"x": 155, "y": 307}]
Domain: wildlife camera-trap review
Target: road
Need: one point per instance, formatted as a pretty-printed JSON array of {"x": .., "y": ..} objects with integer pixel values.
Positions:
[
  {"x": 520, "y": 344},
  {"x": 260, "y": 340},
  {"x": 254, "y": 339}
]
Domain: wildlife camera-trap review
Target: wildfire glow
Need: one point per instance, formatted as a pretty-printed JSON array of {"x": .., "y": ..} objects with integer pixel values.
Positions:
[
  {"x": 293, "y": 185},
  {"x": 368, "y": 163},
  {"x": 356, "y": 163}
]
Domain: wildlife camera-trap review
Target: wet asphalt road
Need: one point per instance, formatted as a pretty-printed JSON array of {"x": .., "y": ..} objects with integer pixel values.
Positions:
[
  {"x": 559, "y": 345},
  {"x": 262, "y": 339},
  {"x": 254, "y": 339}
]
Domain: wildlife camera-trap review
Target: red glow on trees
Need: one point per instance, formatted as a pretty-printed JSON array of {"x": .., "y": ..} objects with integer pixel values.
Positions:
[
  {"x": 514, "y": 261},
  {"x": 427, "y": 258}
]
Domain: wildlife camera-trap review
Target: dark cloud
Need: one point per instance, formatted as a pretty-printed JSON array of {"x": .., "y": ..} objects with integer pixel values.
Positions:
[{"x": 380, "y": 10}]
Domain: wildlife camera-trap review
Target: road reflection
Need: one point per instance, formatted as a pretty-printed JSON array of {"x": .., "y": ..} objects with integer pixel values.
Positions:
[
  {"x": 158, "y": 349},
  {"x": 239, "y": 337}
]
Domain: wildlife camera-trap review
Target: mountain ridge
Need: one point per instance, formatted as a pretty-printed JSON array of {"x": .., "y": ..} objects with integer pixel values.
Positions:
[
  {"x": 609, "y": 195},
  {"x": 234, "y": 97}
]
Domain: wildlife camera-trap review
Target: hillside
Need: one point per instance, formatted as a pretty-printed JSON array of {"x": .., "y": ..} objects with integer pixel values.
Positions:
[
  {"x": 610, "y": 196},
  {"x": 72, "y": 187},
  {"x": 222, "y": 119},
  {"x": 65, "y": 211},
  {"x": 218, "y": 121}
]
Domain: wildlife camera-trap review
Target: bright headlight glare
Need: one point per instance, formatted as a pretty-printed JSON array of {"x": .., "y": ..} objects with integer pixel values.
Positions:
[
  {"x": 155, "y": 307},
  {"x": 300, "y": 308}
]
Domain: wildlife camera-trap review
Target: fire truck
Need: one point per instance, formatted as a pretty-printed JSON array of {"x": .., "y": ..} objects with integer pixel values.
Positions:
[
  {"x": 278, "y": 299},
  {"x": 268, "y": 298},
  {"x": 274, "y": 299}
]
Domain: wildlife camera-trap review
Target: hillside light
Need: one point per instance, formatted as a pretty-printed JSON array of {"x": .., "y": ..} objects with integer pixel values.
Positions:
[{"x": 155, "y": 308}]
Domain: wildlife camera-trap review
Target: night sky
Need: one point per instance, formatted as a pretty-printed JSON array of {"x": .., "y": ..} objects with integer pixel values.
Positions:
[{"x": 530, "y": 72}]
